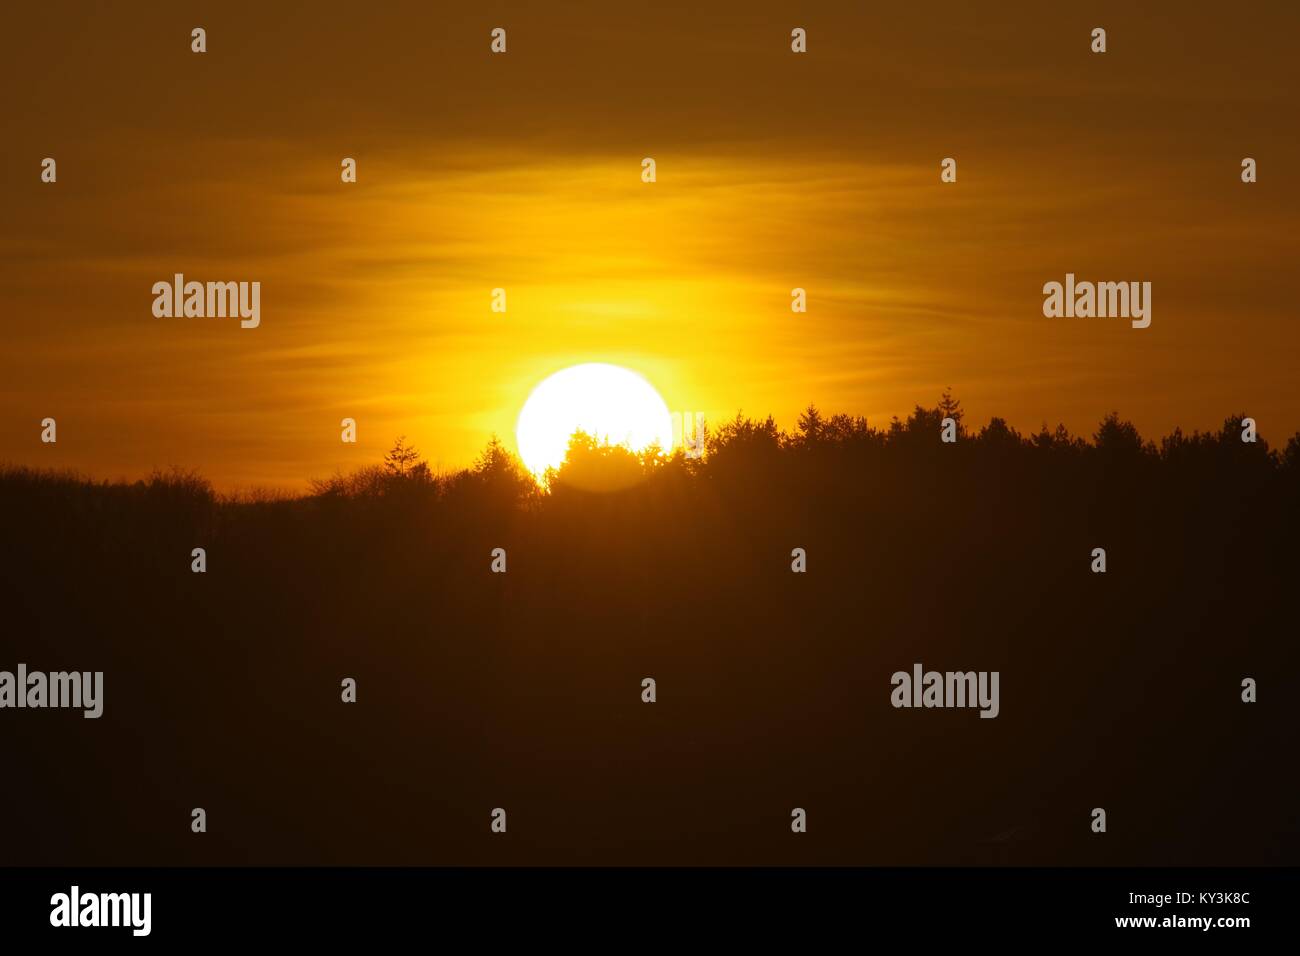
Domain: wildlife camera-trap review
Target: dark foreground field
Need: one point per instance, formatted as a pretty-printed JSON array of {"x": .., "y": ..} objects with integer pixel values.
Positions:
[{"x": 522, "y": 690}]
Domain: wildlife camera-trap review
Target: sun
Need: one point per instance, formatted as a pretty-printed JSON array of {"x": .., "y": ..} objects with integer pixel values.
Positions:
[{"x": 608, "y": 402}]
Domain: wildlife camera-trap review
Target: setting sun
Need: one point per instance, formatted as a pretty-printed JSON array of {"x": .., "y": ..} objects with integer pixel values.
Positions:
[{"x": 607, "y": 402}]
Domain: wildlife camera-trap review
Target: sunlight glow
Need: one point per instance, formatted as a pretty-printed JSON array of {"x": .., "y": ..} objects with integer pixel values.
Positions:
[{"x": 608, "y": 402}]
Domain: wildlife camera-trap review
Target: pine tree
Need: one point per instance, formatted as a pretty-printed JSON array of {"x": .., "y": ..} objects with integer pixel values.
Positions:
[
  {"x": 811, "y": 424},
  {"x": 401, "y": 458},
  {"x": 949, "y": 407}
]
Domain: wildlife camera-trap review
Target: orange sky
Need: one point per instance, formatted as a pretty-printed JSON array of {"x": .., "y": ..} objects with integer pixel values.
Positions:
[{"x": 523, "y": 171}]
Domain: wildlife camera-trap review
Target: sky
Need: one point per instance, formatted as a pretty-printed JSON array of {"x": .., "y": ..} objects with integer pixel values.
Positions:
[{"x": 522, "y": 171}]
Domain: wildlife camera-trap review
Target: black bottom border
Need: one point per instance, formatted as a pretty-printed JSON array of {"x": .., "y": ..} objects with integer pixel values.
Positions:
[{"x": 663, "y": 906}]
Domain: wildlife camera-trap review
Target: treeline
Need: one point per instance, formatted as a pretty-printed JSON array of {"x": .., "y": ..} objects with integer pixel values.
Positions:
[
  {"x": 476, "y": 689},
  {"x": 833, "y": 447},
  {"x": 829, "y": 447}
]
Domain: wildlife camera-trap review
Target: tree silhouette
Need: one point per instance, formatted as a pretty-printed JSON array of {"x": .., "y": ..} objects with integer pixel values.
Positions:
[
  {"x": 1117, "y": 437},
  {"x": 968, "y": 555},
  {"x": 949, "y": 407},
  {"x": 811, "y": 425},
  {"x": 401, "y": 458}
]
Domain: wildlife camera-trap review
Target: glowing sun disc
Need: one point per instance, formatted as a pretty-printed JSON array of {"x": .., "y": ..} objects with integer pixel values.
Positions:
[{"x": 608, "y": 402}]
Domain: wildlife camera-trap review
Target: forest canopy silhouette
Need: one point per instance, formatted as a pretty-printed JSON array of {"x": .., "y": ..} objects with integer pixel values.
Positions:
[
  {"x": 479, "y": 689},
  {"x": 820, "y": 449}
]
